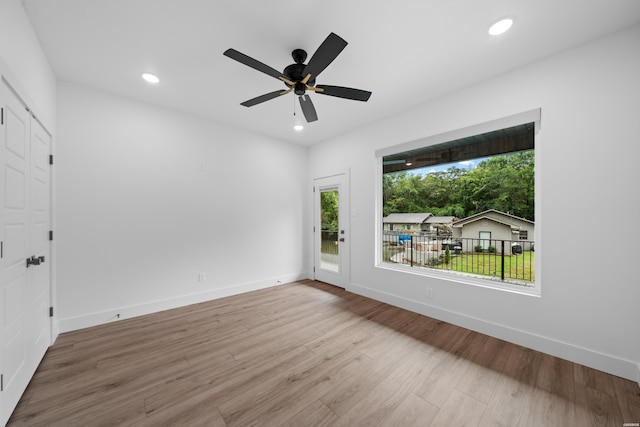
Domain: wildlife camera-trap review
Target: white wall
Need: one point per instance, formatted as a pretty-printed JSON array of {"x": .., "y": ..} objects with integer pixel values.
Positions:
[
  {"x": 24, "y": 64},
  {"x": 149, "y": 198},
  {"x": 587, "y": 166}
]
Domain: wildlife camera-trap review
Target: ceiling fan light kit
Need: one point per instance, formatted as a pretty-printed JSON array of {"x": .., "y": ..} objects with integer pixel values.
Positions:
[{"x": 300, "y": 78}]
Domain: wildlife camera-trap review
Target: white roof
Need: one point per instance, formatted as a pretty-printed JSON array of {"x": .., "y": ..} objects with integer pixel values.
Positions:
[
  {"x": 406, "y": 218},
  {"x": 440, "y": 219}
]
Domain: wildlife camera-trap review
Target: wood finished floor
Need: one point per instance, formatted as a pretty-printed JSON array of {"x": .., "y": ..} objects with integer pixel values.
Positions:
[{"x": 310, "y": 354}]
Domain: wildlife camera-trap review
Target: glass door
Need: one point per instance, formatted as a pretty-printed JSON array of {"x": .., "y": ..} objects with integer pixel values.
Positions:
[{"x": 331, "y": 243}]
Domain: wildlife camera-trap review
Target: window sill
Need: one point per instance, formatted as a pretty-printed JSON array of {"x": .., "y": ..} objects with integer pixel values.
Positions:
[{"x": 466, "y": 279}]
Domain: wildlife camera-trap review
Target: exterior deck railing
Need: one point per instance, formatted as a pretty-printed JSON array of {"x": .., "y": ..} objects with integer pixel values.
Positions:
[{"x": 505, "y": 260}]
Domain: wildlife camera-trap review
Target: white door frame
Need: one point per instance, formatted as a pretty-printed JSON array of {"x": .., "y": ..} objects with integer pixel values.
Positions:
[{"x": 342, "y": 277}]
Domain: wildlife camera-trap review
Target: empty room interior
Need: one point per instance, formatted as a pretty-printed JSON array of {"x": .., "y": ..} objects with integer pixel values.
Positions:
[{"x": 225, "y": 214}]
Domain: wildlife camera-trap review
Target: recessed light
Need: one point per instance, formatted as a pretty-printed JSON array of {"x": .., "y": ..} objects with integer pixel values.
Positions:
[
  {"x": 501, "y": 26},
  {"x": 151, "y": 78},
  {"x": 298, "y": 127}
]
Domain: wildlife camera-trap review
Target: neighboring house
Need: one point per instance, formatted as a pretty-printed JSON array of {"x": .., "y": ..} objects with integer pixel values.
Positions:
[
  {"x": 418, "y": 222},
  {"x": 406, "y": 222},
  {"x": 491, "y": 226}
]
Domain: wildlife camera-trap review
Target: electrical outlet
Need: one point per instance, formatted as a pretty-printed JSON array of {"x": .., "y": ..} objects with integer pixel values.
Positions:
[
  {"x": 429, "y": 293},
  {"x": 202, "y": 277}
]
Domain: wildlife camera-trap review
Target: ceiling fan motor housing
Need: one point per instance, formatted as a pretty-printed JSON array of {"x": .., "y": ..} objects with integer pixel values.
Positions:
[{"x": 294, "y": 72}]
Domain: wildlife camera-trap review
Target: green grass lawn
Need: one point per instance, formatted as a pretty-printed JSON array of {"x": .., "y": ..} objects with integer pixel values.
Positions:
[{"x": 516, "y": 267}]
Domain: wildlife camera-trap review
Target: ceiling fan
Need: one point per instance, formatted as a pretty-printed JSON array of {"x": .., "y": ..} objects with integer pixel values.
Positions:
[{"x": 300, "y": 78}]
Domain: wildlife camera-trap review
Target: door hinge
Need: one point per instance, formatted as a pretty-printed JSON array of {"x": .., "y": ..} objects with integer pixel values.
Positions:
[
  {"x": 1, "y": 382},
  {"x": 50, "y": 235},
  {"x": 314, "y": 268},
  {"x": 50, "y": 159},
  {"x": 1, "y": 116},
  {"x": 50, "y": 311},
  {"x": 314, "y": 229},
  {"x": 1, "y": 250},
  {"x": 314, "y": 189}
]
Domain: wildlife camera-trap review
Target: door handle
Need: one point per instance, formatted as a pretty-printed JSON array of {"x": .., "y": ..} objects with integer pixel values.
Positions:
[
  {"x": 33, "y": 261},
  {"x": 342, "y": 239}
]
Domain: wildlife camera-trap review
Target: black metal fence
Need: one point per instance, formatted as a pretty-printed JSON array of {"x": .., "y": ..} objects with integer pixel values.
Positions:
[
  {"x": 505, "y": 260},
  {"x": 329, "y": 242}
]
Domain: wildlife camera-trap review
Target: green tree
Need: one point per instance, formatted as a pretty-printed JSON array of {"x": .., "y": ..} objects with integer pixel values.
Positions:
[
  {"x": 504, "y": 182},
  {"x": 329, "y": 209}
]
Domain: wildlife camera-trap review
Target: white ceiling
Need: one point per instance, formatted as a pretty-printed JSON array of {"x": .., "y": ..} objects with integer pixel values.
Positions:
[{"x": 404, "y": 51}]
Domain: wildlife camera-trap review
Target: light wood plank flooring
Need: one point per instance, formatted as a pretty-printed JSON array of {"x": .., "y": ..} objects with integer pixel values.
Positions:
[{"x": 310, "y": 354}]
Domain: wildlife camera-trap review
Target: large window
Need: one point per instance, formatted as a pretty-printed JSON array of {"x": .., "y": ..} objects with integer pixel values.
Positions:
[{"x": 475, "y": 199}]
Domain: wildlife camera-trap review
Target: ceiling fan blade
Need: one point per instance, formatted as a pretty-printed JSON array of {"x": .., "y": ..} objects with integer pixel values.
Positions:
[
  {"x": 326, "y": 53},
  {"x": 254, "y": 63},
  {"x": 262, "y": 98},
  {"x": 308, "y": 109},
  {"x": 344, "y": 92}
]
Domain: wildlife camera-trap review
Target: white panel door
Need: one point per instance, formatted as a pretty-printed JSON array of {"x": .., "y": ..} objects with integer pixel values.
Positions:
[
  {"x": 331, "y": 230},
  {"x": 39, "y": 276},
  {"x": 24, "y": 224},
  {"x": 15, "y": 137}
]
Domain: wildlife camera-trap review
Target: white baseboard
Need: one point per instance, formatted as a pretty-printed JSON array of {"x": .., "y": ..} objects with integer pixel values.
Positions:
[
  {"x": 99, "y": 318},
  {"x": 603, "y": 362}
]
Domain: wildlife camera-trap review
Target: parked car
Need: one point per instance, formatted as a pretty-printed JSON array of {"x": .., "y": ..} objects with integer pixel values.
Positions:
[{"x": 453, "y": 246}]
